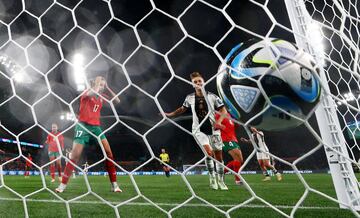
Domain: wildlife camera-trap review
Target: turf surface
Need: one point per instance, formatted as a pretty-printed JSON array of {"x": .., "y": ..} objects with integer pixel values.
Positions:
[{"x": 168, "y": 193}]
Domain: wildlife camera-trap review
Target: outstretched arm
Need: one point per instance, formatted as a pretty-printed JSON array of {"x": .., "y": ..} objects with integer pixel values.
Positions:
[
  {"x": 245, "y": 140},
  {"x": 176, "y": 112}
]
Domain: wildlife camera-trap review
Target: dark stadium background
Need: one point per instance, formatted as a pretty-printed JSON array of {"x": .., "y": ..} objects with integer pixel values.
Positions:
[{"x": 146, "y": 69}]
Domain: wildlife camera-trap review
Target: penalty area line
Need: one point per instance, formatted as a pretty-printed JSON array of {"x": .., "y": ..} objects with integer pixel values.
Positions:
[{"x": 173, "y": 204}]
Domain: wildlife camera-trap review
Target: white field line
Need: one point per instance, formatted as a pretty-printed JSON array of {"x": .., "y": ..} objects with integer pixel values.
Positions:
[{"x": 171, "y": 204}]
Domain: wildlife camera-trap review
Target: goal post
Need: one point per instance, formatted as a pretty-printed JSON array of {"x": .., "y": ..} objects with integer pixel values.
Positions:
[{"x": 345, "y": 182}]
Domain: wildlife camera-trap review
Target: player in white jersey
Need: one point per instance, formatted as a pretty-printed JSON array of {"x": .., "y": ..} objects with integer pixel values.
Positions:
[
  {"x": 262, "y": 154},
  {"x": 205, "y": 134}
]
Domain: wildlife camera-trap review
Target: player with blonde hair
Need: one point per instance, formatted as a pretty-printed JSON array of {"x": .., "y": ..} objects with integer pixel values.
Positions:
[{"x": 205, "y": 135}]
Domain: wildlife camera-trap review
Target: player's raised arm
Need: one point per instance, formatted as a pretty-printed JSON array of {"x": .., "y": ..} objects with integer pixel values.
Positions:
[
  {"x": 254, "y": 130},
  {"x": 97, "y": 86},
  {"x": 112, "y": 93}
]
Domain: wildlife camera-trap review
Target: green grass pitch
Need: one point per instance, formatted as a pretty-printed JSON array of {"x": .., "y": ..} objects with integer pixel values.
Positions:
[{"x": 168, "y": 193}]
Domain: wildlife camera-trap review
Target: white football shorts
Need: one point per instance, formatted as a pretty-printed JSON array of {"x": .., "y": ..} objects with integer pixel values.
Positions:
[
  {"x": 213, "y": 140},
  {"x": 262, "y": 156}
]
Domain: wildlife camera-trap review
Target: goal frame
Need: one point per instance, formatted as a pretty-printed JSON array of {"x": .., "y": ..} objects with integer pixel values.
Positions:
[{"x": 342, "y": 173}]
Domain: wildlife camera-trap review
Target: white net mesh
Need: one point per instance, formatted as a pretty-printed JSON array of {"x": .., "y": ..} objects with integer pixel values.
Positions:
[{"x": 145, "y": 50}]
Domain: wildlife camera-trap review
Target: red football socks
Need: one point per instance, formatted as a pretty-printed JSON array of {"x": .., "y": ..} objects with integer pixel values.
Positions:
[
  {"x": 110, "y": 168},
  {"x": 68, "y": 171}
]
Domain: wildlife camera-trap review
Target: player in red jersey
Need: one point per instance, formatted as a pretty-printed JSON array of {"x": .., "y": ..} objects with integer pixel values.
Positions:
[
  {"x": 231, "y": 146},
  {"x": 28, "y": 165},
  {"x": 89, "y": 121},
  {"x": 53, "y": 150}
]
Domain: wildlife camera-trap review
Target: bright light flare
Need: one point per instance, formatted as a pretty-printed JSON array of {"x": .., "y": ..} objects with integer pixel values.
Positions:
[
  {"x": 67, "y": 116},
  {"x": 13, "y": 69},
  {"x": 316, "y": 40},
  {"x": 19, "y": 77},
  {"x": 79, "y": 73},
  {"x": 347, "y": 97}
]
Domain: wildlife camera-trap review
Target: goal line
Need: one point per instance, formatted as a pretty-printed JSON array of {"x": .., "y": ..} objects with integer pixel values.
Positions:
[{"x": 172, "y": 204}]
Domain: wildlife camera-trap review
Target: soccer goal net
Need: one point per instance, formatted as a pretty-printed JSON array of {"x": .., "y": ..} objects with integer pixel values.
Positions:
[{"x": 289, "y": 68}]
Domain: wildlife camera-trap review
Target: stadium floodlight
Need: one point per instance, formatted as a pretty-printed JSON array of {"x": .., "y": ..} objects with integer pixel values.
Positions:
[
  {"x": 80, "y": 87},
  {"x": 78, "y": 59},
  {"x": 79, "y": 73},
  {"x": 13, "y": 69},
  {"x": 349, "y": 96},
  {"x": 21, "y": 143},
  {"x": 69, "y": 116}
]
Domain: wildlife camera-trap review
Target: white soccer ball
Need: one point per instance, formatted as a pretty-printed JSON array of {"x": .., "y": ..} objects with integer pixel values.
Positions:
[{"x": 285, "y": 73}]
